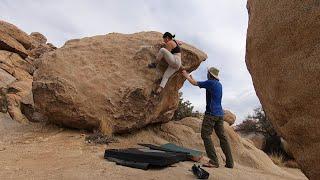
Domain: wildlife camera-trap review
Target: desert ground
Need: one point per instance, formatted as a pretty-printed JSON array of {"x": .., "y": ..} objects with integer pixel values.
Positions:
[{"x": 39, "y": 151}]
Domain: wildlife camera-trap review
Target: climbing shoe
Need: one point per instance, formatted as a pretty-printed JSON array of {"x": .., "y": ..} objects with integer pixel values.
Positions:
[{"x": 199, "y": 172}]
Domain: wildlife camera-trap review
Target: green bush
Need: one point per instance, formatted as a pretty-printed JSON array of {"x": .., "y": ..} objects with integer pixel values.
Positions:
[
  {"x": 258, "y": 122},
  {"x": 248, "y": 125},
  {"x": 185, "y": 109}
]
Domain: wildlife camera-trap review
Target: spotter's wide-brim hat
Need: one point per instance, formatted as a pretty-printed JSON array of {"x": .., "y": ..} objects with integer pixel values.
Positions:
[{"x": 214, "y": 72}]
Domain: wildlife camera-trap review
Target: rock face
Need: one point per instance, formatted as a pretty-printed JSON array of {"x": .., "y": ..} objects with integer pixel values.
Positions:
[
  {"x": 10, "y": 44},
  {"x": 23, "y": 38},
  {"x": 15, "y": 84},
  {"x": 17, "y": 53},
  {"x": 38, "y": 37},
  {"x": 283, "y": 49},
  {"x": 104, "y": 81},
  {"x": 40, "y": 45}
]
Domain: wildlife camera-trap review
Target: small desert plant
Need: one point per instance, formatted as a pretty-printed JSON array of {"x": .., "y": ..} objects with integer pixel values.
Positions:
[
  {"x": 103, "y": 135},
  {"x": 277, "y": 159},
  {"x": 292, "y": 164},
  {"x": 106, "y": 127},
  {"x": 258, "y": 122},
  {"x": 248, "y": 125},
  {"x": 98, "y": 138},
  {"x": 185, "y": 109}
]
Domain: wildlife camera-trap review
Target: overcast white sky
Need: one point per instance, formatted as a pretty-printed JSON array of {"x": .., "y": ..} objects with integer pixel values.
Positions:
[{"x": 217, "y": 27}]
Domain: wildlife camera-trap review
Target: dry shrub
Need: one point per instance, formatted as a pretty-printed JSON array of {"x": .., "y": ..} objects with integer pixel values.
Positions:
[
  {"x": 185, "y": 109},
  {"x": 106, "y": 127},
  {"x": 277, "y": 159},
  {"x": 103, "y": 135},
  {"x": 292, "y": 164},
  {"x": 98, "y": 138}
]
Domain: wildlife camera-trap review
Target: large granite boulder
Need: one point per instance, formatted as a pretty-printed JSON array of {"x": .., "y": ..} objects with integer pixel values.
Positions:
[
  {"x": 103, "y": 81},
  {"x": 20, "y": 36},
  {"x": 283, "y": 49}
]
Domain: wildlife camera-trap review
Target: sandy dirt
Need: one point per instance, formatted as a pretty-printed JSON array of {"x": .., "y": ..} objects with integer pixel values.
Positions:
[{"x": 38, "y": 151}]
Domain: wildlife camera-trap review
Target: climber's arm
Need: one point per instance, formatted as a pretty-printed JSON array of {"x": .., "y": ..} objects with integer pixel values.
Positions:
[{"x": 189, "y": 78}]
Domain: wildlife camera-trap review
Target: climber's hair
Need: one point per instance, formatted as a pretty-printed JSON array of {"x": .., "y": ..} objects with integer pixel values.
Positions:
[{"x": 168, "y": 35}]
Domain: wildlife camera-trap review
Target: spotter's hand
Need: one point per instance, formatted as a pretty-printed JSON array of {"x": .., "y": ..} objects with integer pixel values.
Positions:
[{"x": 185, "y": 73}]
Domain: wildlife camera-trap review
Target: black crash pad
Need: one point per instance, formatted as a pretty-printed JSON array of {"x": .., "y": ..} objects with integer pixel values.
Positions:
[
  {"x": 132, "y": 164},
  {"x": 169, "y": 147},
  {"x": 148, "y": 156}
]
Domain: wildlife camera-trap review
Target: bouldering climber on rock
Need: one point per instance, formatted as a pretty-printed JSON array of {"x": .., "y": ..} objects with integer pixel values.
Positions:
[
  {"x": 213, "y": 118},
  {"x": 171, "y": 53},
  {"x": 124, "y": 102}
]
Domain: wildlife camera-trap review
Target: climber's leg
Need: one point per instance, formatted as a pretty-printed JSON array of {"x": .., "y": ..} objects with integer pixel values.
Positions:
[
  {"x": 167, "y": 74},
  {"x": 174, "y": 62},
  {"x": 163, "y": 54},
  {"x": 168, "y": 57}
]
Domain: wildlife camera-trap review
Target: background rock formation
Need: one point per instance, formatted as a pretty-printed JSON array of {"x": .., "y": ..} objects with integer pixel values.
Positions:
[
  {"x": 257, "y": 139},
  {"x": 186, "y": 133},
  {"x": 40, "y": 45},
  {"x": 104, "y": 81},
  {"x": 16, "y": 70},
  {"x": 229, "y": 117},
  {"x": 283, "y": 48}
]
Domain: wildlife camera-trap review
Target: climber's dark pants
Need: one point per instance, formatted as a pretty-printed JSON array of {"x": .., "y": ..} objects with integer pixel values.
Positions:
[{"x": 210, "y": 122}]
